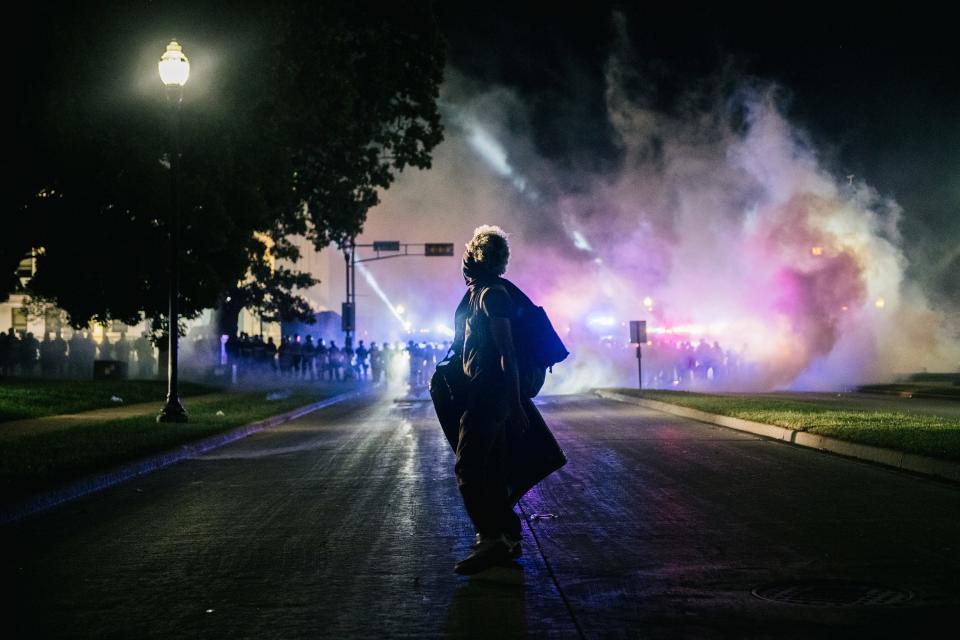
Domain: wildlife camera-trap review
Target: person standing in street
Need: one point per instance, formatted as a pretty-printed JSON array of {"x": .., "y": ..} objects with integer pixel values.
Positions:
[
  {"x": 362, "y": 364},
  {"x": 493, "y": 403}
]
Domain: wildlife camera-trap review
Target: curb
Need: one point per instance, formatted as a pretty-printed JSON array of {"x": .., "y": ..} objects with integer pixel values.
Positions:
[
  {"x": 912, "y": 462},
  {"x": 124, "y": 472}
]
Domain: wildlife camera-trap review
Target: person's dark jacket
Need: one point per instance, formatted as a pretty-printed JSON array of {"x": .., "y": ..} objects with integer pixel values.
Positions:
[{"x": 531, "y": 455}]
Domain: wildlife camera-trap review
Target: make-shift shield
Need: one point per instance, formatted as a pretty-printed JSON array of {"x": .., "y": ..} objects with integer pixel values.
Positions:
[{"x": 531, "y": 455}]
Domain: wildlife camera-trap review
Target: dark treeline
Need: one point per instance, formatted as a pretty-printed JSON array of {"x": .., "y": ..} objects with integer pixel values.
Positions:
[{"x": 295, "y": 115}]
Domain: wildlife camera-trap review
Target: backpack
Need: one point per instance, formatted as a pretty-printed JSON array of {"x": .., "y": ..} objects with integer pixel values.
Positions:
[{"x": 537, "y": 345}]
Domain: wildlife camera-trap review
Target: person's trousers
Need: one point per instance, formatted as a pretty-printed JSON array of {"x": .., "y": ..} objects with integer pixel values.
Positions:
[{"x": 481, "y": 456}]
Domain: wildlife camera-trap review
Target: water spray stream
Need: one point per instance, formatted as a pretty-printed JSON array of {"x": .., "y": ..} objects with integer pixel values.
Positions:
[{"x": 380, "y": 294}]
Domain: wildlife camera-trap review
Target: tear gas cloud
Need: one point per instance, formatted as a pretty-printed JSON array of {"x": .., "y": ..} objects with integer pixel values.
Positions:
[{"x": 719, "y": 224}]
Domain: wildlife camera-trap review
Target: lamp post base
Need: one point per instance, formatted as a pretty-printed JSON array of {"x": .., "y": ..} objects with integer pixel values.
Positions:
[{"x": 173, "y": 411}]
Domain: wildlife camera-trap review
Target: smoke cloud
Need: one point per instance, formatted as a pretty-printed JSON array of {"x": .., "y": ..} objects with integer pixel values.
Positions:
[{"x": 720, "y": 223}]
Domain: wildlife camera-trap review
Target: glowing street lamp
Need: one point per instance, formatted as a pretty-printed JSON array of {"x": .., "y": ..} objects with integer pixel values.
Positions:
[
  {"x": 174, "y": 72},
  {"x": 174, "y": 66}
]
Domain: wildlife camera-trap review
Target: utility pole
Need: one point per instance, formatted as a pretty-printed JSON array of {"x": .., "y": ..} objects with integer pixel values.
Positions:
[{"x": 348, "y": 312}]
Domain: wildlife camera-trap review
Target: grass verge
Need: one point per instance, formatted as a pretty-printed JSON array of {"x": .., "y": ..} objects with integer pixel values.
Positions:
[
  {"x": 31, "y": 463},
  {"x": 26, "y": 398},
  {"x": 929, "y": 435}
]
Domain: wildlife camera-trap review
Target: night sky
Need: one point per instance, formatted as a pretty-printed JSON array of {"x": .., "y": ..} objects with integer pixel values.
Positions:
[{"x": 876, "y": 91}]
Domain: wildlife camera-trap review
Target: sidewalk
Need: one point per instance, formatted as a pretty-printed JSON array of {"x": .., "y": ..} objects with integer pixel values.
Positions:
[{"x": 16, "y": 428}]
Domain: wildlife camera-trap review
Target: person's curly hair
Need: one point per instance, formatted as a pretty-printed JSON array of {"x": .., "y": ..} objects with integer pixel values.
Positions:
[{"x": 489, "y": 247}]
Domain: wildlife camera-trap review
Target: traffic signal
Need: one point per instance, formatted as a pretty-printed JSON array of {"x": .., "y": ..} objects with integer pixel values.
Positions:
[
  {"x": 387, "y": 245},
  {"x": 346, "y": 316},
  {"x": 438, "y": 249}
]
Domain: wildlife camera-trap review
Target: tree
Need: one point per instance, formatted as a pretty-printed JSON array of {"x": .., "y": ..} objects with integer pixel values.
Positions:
[
  {"x": 312, "y": 108},
  {"x": 382, "y": 106}
]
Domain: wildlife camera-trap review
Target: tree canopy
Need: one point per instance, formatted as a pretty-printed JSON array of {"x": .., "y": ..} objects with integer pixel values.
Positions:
[{"x": 296, "y": 115}]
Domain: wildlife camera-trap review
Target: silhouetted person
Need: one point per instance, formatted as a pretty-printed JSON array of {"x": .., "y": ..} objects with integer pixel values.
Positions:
[
  {"x": 47, "y": 356},
  {"x": 322, "y": 359},
  {"x": 335, "y": 360},
  {"x": 689, "y": 362},
  {"x": 245, "y": 347},
  {"x": 389, "y": 358},
  {"x": 413, "y": 353},
  {"x": 145, "y": 361},
  {"x": 232, "y": 347},
  {"x": 271, "y": 350},
  {"x": 362, "y": 364},
  {"x": 428, "y": 363},
  {"x": 6, "y": 345},
  {"x": 121, "y": 349},
  {"x": 105, "y": 348},
  {"x": 284, "y": 357},
  {"x": 349, "y": 373},
  {"x": 704, "y": 359},
  {"x": 59, "y": 355},
  {"x": 260, "y": 361},
  {"x": 12, "y": 359},
  {"x": 73, "y": 354},
  {"x": 717, "y": 357},
  {"x": 308, "y": 358},
  {"x": 89, "y": 353},
  {"x": 493, "y": 396},
  {"x": 29, "y": 354},
  {"x": 376, "y": 363}
]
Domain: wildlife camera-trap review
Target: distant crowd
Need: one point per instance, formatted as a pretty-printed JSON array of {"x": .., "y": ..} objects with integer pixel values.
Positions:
[
  {"x": 296, "y": 356},
  {"x": 55, "y": 357},
  {"x": 666, "y": 363},
  {"x": 306, "y": 358},
  {"x": 671, "y": 363}
]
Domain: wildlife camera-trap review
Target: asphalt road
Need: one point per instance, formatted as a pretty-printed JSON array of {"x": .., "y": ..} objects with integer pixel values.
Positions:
[{"x": 347, "y": 523}]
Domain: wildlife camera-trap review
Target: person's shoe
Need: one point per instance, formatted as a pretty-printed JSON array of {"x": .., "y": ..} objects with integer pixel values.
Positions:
[
  {"x": 486, "y": 553},
  {"x": 513, "y": 544}
]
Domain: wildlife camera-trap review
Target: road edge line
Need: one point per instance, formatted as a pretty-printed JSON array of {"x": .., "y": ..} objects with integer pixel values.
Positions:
[
  {"x": 912, "y": 462},
  {"x": 99, "y": 481}
]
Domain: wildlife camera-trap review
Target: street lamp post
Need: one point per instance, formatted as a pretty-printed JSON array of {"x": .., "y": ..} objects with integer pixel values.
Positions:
[{"x": 174, "y": 71}]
